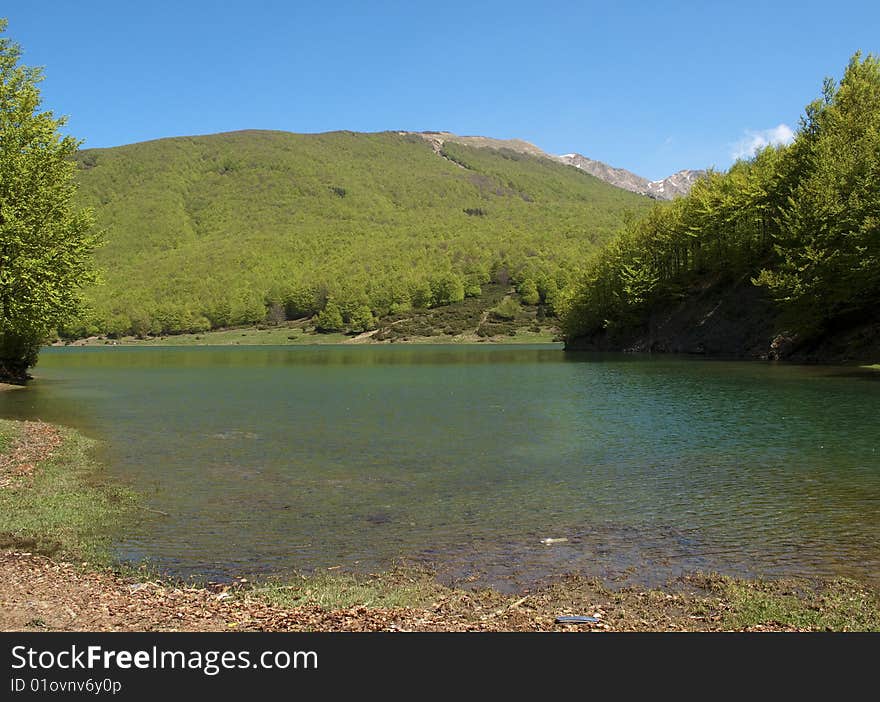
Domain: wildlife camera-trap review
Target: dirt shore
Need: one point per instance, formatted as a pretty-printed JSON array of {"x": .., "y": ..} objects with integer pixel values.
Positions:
[
  {"x": 33, "y": 445},
  {"x": 4, "y": 387},
  {"x": 40, "y": 594}
]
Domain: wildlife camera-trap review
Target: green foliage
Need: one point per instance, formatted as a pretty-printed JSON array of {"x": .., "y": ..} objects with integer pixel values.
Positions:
[
  {"x": 329, "y": 319},
  {"x": 61, "y": 508},
  {"x": 45, "y": 242},
  {"x": 227, "y": 227},
  {"x": 803, "y": 220},
  {"x": 457, "y": 320},
  {"x": 398, "y": 588},
  {"x": 472, "y": 290},
  {"x": 447, "y": 289},
  {"x": 528, "y": 292},
  {"x": 837, "y": 605},
  {"x": 829, "y": 237},
  {"x": 506, "y": 310},
  {"x": 361, "y": 319}
]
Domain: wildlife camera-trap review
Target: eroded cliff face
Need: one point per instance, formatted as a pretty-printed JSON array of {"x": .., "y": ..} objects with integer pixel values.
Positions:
[{"x": 740, "y": 320}]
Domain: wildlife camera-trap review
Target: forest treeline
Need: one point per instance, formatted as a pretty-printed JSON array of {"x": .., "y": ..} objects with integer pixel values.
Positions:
[
  {"x": 803, "y": 220},
  {"x": 248, "y": 227}
]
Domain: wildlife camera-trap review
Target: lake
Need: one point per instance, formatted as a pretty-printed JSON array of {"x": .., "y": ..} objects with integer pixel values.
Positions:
[{"x": 466, "y": 458}]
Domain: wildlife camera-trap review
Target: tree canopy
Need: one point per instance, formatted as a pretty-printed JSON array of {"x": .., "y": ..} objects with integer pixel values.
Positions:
[
  {"x": 45, "y": 241},
  {"x": 802, "y": 220},
  {"x": 244, "y": 227}
]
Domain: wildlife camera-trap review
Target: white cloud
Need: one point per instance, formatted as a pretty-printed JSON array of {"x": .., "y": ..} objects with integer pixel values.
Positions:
[{"x": 754, "y": 141}]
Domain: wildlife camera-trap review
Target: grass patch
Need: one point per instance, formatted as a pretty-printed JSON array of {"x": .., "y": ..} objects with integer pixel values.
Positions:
[
  {"x": 837, "y": 605},
  {"x": 291, "y": 334},
  {"x": 719, "y": 603},
  {"x": 396, "y": 589},
  {"x": 61, "y": 507},
  {"x": 8, "y": 431}
]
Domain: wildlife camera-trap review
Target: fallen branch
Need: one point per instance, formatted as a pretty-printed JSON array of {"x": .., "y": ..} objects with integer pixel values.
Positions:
[{"x": 156, "y": 511}]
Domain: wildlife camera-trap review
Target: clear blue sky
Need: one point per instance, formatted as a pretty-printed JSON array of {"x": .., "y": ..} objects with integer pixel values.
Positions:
[{"x": 649, "y": 86}]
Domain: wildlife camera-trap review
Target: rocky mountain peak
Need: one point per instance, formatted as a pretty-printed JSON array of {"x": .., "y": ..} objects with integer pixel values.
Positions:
[{"x": 666, "y": 189}]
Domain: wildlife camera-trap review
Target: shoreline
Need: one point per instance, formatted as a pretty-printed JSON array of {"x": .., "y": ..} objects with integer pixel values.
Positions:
[
  {"x": 56, "y": 573},
  {"x": 9, "y": 387},
  {"x": 42, "y": 594},
  {"x": 254, "y": 336}
]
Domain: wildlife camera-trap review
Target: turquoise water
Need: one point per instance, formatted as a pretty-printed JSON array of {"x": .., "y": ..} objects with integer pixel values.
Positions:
[{"x": 466, "y": 457}]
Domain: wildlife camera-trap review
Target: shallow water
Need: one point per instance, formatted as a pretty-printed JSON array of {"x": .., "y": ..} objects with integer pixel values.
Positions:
[{"x": 272, "y": 459}]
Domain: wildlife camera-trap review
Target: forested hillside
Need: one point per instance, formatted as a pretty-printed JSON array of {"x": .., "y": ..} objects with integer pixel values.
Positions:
[
  {"x": 233, "y": 229},
  {"x": 785, "y": 246}
]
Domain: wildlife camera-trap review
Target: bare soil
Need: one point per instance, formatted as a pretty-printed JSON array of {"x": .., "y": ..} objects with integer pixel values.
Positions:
[
  {"x": 34, "y": 444},
  {"x": 38, "y": 593}
]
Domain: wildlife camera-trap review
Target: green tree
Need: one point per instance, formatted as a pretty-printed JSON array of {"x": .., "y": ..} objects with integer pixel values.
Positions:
[
  {"x": 45, "y": 242},
  {"x": 422, "y": 296},
  {"x": 528, "y": 292},
  {"x": 802, "y": 220},
  {"x": 329, "y": 319},
  {"x": 447, "y": 289},
  {"x": 506, "y": 310},
  {"x": 829, "y": 239},
  {"x": 361, "y": 319}
]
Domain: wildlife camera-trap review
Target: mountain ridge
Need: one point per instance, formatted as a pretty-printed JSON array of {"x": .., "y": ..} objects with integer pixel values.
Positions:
[
  {"x": 675, "y": 185},
  {"x": 668, "y": 188}
]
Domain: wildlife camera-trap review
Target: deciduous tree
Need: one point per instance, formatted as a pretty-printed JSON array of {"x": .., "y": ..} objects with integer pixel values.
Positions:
[{"x": 45, "y": 240}]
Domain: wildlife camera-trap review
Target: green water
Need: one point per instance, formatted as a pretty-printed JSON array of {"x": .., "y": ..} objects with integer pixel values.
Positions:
[{"x": 272, "y": 459}]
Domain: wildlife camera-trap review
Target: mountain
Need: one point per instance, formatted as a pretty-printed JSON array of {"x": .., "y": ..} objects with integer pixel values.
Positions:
[
  {"x": 211, "y": 231},
  {"x": 619, "y": 177},
  {"x": 666, "y": 189},
  {"x": 676, "y": 185},
  {"x": 437, "y": 139}
]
